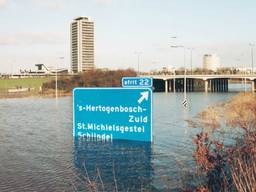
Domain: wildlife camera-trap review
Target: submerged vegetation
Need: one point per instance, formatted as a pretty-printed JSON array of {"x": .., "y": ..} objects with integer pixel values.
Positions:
[{"x": 225, "y": 153}]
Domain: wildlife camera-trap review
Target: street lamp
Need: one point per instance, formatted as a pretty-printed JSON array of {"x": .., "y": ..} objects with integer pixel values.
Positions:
[
  {"x": 185, "y": 72},
  {"x": 252, "y": 45},
  {"x": 243, "y": 73},
  {"x": 138, "y": 60},
  {"x": 191, "y": 59},
  {"x": 56, "y": 79}
]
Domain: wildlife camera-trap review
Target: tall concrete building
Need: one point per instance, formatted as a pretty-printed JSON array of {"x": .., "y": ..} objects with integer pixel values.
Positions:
[{"x": 82, "y": 45}]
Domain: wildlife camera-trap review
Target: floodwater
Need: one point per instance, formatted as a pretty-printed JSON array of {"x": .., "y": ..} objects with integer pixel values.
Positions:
[{"x": 38, "y": 152}]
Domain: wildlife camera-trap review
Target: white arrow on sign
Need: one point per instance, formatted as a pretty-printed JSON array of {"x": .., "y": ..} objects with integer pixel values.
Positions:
[{"x": 144, "y": 96}]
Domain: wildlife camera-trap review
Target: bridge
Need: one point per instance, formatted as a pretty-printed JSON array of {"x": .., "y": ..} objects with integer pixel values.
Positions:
[{"x": 208, "y": 83}]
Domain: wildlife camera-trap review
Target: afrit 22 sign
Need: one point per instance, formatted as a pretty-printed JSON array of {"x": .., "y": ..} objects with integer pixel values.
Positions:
[
  {"x": 137, "y": 82},
  {"x": 113, "y": 113}
]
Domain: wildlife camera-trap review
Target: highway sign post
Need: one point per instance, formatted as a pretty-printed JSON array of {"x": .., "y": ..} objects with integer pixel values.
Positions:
[
  {"x": 113, "y": 113},
  {"x": 137, "y": 82}
]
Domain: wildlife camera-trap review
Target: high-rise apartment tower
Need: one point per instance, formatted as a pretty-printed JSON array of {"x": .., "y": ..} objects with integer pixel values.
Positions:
[{"x": 82, "y": 45}]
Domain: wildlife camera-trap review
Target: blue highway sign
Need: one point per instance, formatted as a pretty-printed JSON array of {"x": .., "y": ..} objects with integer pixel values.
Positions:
[
  {"x": 137, "y": 82},
  {"x": 113, "y": 113}
]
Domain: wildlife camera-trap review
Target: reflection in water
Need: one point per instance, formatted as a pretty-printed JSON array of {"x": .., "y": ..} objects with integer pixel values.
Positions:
[{"x": 122, "y": 164}]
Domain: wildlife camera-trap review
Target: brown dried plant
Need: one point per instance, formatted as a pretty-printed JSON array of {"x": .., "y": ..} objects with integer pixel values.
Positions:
[
  {"x": 207, "y": 119},
  {"x": 241, "y": 111},
  {"x": 233, "y": 167}
]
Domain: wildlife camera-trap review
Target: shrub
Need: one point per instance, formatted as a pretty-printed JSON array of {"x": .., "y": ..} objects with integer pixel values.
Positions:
[{"x": 95, "y": 78}]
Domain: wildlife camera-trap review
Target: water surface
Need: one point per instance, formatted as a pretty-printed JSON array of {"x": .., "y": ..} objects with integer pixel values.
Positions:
[{"x": 38, "y": 152}]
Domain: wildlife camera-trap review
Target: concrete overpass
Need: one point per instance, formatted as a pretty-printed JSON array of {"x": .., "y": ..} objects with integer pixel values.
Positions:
[{"x": 213, "y": 83}]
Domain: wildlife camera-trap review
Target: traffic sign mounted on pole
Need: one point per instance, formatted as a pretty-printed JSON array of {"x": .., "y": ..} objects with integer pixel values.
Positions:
[
  {"x": 113, "y": 113},
  {"x": 137, "y": 82}
]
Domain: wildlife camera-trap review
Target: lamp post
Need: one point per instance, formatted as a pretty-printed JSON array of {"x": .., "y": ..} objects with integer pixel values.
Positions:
[
  {"x": 174, "y": 79},
  {"x": 252, "y": 45},
  {"x": 244, "y": 77},
  {"x": 12, "y": 68},
  {"x": 185, "y": 72},
  {"x": 138, "y": 53},
  {"x": 191, "y": 59},
  {"x": 56, "y": 79},
  {"x": 243, "y": 73}
]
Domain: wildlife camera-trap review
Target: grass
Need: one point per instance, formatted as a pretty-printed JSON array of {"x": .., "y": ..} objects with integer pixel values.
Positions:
[{"x": 35, "y": 82}]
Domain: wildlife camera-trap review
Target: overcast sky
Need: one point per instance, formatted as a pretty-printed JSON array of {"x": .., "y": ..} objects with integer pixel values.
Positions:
[{"x": 37, "y": 31}]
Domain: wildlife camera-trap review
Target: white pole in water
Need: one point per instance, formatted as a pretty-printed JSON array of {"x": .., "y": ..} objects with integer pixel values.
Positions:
[{"x": 185, "y": 77}]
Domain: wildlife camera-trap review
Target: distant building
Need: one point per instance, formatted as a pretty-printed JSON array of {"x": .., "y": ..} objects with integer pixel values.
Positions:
[
  {"x": 82, "y": 45},
  {"x": 42, "y": 70},
  {"x": 211, "y": 62}
]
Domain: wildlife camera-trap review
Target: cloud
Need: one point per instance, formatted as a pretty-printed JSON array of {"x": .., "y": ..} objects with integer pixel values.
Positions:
[
  {"x": 53, "y": 5},
  {"x": 3, "y": 3},
  {"x": 104, "y": 2},
  {"x": 47, "y": 4},
  {"x": 50, "y": 4},
  {"x": 31, "y": 38}
]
